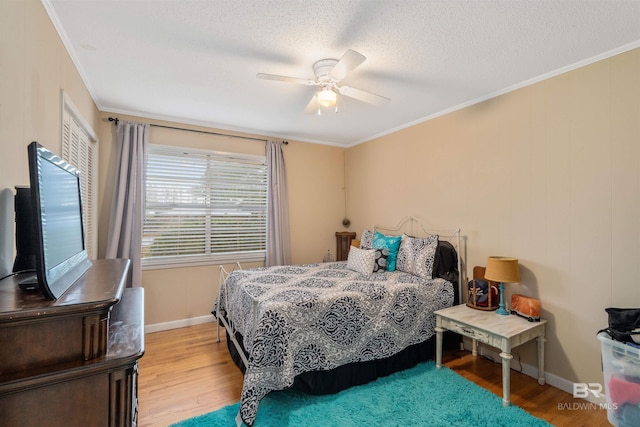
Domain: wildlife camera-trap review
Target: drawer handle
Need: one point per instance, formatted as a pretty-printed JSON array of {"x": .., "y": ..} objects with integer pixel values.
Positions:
[{"x": 468, "y": 331}]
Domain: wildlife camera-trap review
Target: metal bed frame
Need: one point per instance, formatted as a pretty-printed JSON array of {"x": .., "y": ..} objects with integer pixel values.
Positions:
[
  {"x": 451, "y": 235},
  {"x": 221, "y": 317}
]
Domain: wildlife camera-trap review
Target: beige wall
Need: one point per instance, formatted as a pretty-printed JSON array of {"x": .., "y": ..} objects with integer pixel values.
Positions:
[
  {"x": 315, "y": 175},
  {"x": 549, "y": 174},
  {"x": 35, "y": 69}
]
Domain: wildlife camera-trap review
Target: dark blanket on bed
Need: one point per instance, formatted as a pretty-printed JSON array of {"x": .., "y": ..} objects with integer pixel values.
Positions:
[{"x": 296, "y": 319}]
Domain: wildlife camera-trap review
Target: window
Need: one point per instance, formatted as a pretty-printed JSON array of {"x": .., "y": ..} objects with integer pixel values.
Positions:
[
  {"x": 80, "y": 148},
  {"x": 203, "y": 207}
]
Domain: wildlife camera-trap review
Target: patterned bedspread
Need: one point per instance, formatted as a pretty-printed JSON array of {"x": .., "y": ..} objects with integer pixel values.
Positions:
[{"x": 301, "y": 318}]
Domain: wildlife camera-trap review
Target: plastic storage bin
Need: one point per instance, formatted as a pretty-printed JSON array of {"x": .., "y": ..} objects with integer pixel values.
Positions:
[{"x": 621, "y": 368}]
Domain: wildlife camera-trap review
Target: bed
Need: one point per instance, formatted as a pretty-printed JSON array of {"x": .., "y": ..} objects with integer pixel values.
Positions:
[{"x": 328, "y": 326}]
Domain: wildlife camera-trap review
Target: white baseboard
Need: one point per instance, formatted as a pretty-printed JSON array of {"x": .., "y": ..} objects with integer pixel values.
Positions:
[
  {"x": 156, "y": 327},
  {"x": 529, "y": 370}
]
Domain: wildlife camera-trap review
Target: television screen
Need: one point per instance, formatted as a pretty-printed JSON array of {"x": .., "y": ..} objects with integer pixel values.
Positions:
[
  {"x": 60, "y": 205},
  {"x": 56, "y": 202}
]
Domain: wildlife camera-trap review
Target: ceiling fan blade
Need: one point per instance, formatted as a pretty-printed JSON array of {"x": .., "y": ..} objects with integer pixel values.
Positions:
[
  {"x": 287, "y": 79},
  {"x": 349, "y": 61},
  {"x": 363, "y": 95},
  {"x": 313, "y": 106}
]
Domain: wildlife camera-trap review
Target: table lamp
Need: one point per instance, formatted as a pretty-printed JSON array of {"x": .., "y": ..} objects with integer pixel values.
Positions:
[{"x": 504, "y": 270}]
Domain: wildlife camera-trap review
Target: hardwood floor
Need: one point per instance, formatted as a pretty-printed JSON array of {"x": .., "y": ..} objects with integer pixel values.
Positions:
[{"x": 185, "y": 373}]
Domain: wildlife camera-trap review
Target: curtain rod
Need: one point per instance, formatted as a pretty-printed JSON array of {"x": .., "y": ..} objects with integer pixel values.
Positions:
[{"x": 116, "y": 120}]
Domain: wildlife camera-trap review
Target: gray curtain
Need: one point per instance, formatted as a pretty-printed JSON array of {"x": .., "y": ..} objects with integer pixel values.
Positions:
[
  {"x": 278, "y": 244},
  {"x": 127, "y": 207}
]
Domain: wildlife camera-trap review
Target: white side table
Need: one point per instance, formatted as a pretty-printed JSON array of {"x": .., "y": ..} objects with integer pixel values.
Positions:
[{"x": 503, "y": 332}]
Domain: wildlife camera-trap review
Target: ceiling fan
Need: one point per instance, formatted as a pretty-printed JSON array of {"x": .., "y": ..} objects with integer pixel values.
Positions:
[{"x": 328, "y": 75}]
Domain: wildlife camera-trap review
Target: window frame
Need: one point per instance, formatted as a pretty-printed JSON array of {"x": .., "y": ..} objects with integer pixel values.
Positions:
[
  {"x": 212, "y": 258},
  {"x": 79, "y": 147}
]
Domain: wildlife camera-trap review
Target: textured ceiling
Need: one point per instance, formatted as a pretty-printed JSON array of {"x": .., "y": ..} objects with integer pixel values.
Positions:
[{"x": 196, "y": 61}]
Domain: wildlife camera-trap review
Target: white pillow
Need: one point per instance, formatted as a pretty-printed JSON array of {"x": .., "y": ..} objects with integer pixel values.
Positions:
[
  {"x": 361, "y": 260},
  {"x": 416, "y": 255}
]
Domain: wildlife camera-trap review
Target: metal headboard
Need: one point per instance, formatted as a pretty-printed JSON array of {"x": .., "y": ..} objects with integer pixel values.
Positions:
[{"x": 412, "y": 226}]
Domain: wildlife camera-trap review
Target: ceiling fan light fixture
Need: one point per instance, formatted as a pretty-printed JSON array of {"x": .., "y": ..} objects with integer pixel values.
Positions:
[
  {"x": 328, "y": 73},
  {"x": 327, "y": 98}
]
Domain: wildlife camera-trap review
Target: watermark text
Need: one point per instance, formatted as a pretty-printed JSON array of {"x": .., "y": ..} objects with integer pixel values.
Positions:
[
  {"x": 584, "y": 390},
  {"x": 586, "y": 406},
  {"x": 587, "y": 391}
]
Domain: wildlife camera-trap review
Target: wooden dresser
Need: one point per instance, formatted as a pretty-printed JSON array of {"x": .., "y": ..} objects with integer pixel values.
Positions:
[{"x": 72, "y": 361}]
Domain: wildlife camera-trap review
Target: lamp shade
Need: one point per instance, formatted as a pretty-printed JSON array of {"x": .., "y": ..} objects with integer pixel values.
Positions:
[
  {"x": 502, "y": 269},
  {"x": 327, "y": 97}
]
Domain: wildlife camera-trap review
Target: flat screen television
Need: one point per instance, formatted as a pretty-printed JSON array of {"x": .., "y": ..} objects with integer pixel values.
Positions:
[{"x": 56, "y": 222}]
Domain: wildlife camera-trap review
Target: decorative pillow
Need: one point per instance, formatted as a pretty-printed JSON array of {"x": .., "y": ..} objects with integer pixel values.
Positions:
[
  {"x": 416, "y": 255},
  {"x": 361, "y": 260},
  {"x": 366, "y": 240},
  {"x": 381, "y": 260},
  {"x": 392, "y": 243}
]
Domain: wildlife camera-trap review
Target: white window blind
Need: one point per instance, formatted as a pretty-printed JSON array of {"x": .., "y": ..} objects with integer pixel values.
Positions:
[
  {"x": 203, "y": 206},
  {"x": 80, "y": 148}
]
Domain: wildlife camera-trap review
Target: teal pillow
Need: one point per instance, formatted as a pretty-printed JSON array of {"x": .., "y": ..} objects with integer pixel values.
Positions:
[{"x": 380, "y": 241}]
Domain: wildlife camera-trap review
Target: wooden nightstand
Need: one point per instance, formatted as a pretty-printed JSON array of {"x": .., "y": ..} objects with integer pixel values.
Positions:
[{"x": 503, "y": 332}]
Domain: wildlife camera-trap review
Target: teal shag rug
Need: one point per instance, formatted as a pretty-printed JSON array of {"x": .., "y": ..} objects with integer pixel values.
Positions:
[{"x": 420, "y": 396}]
